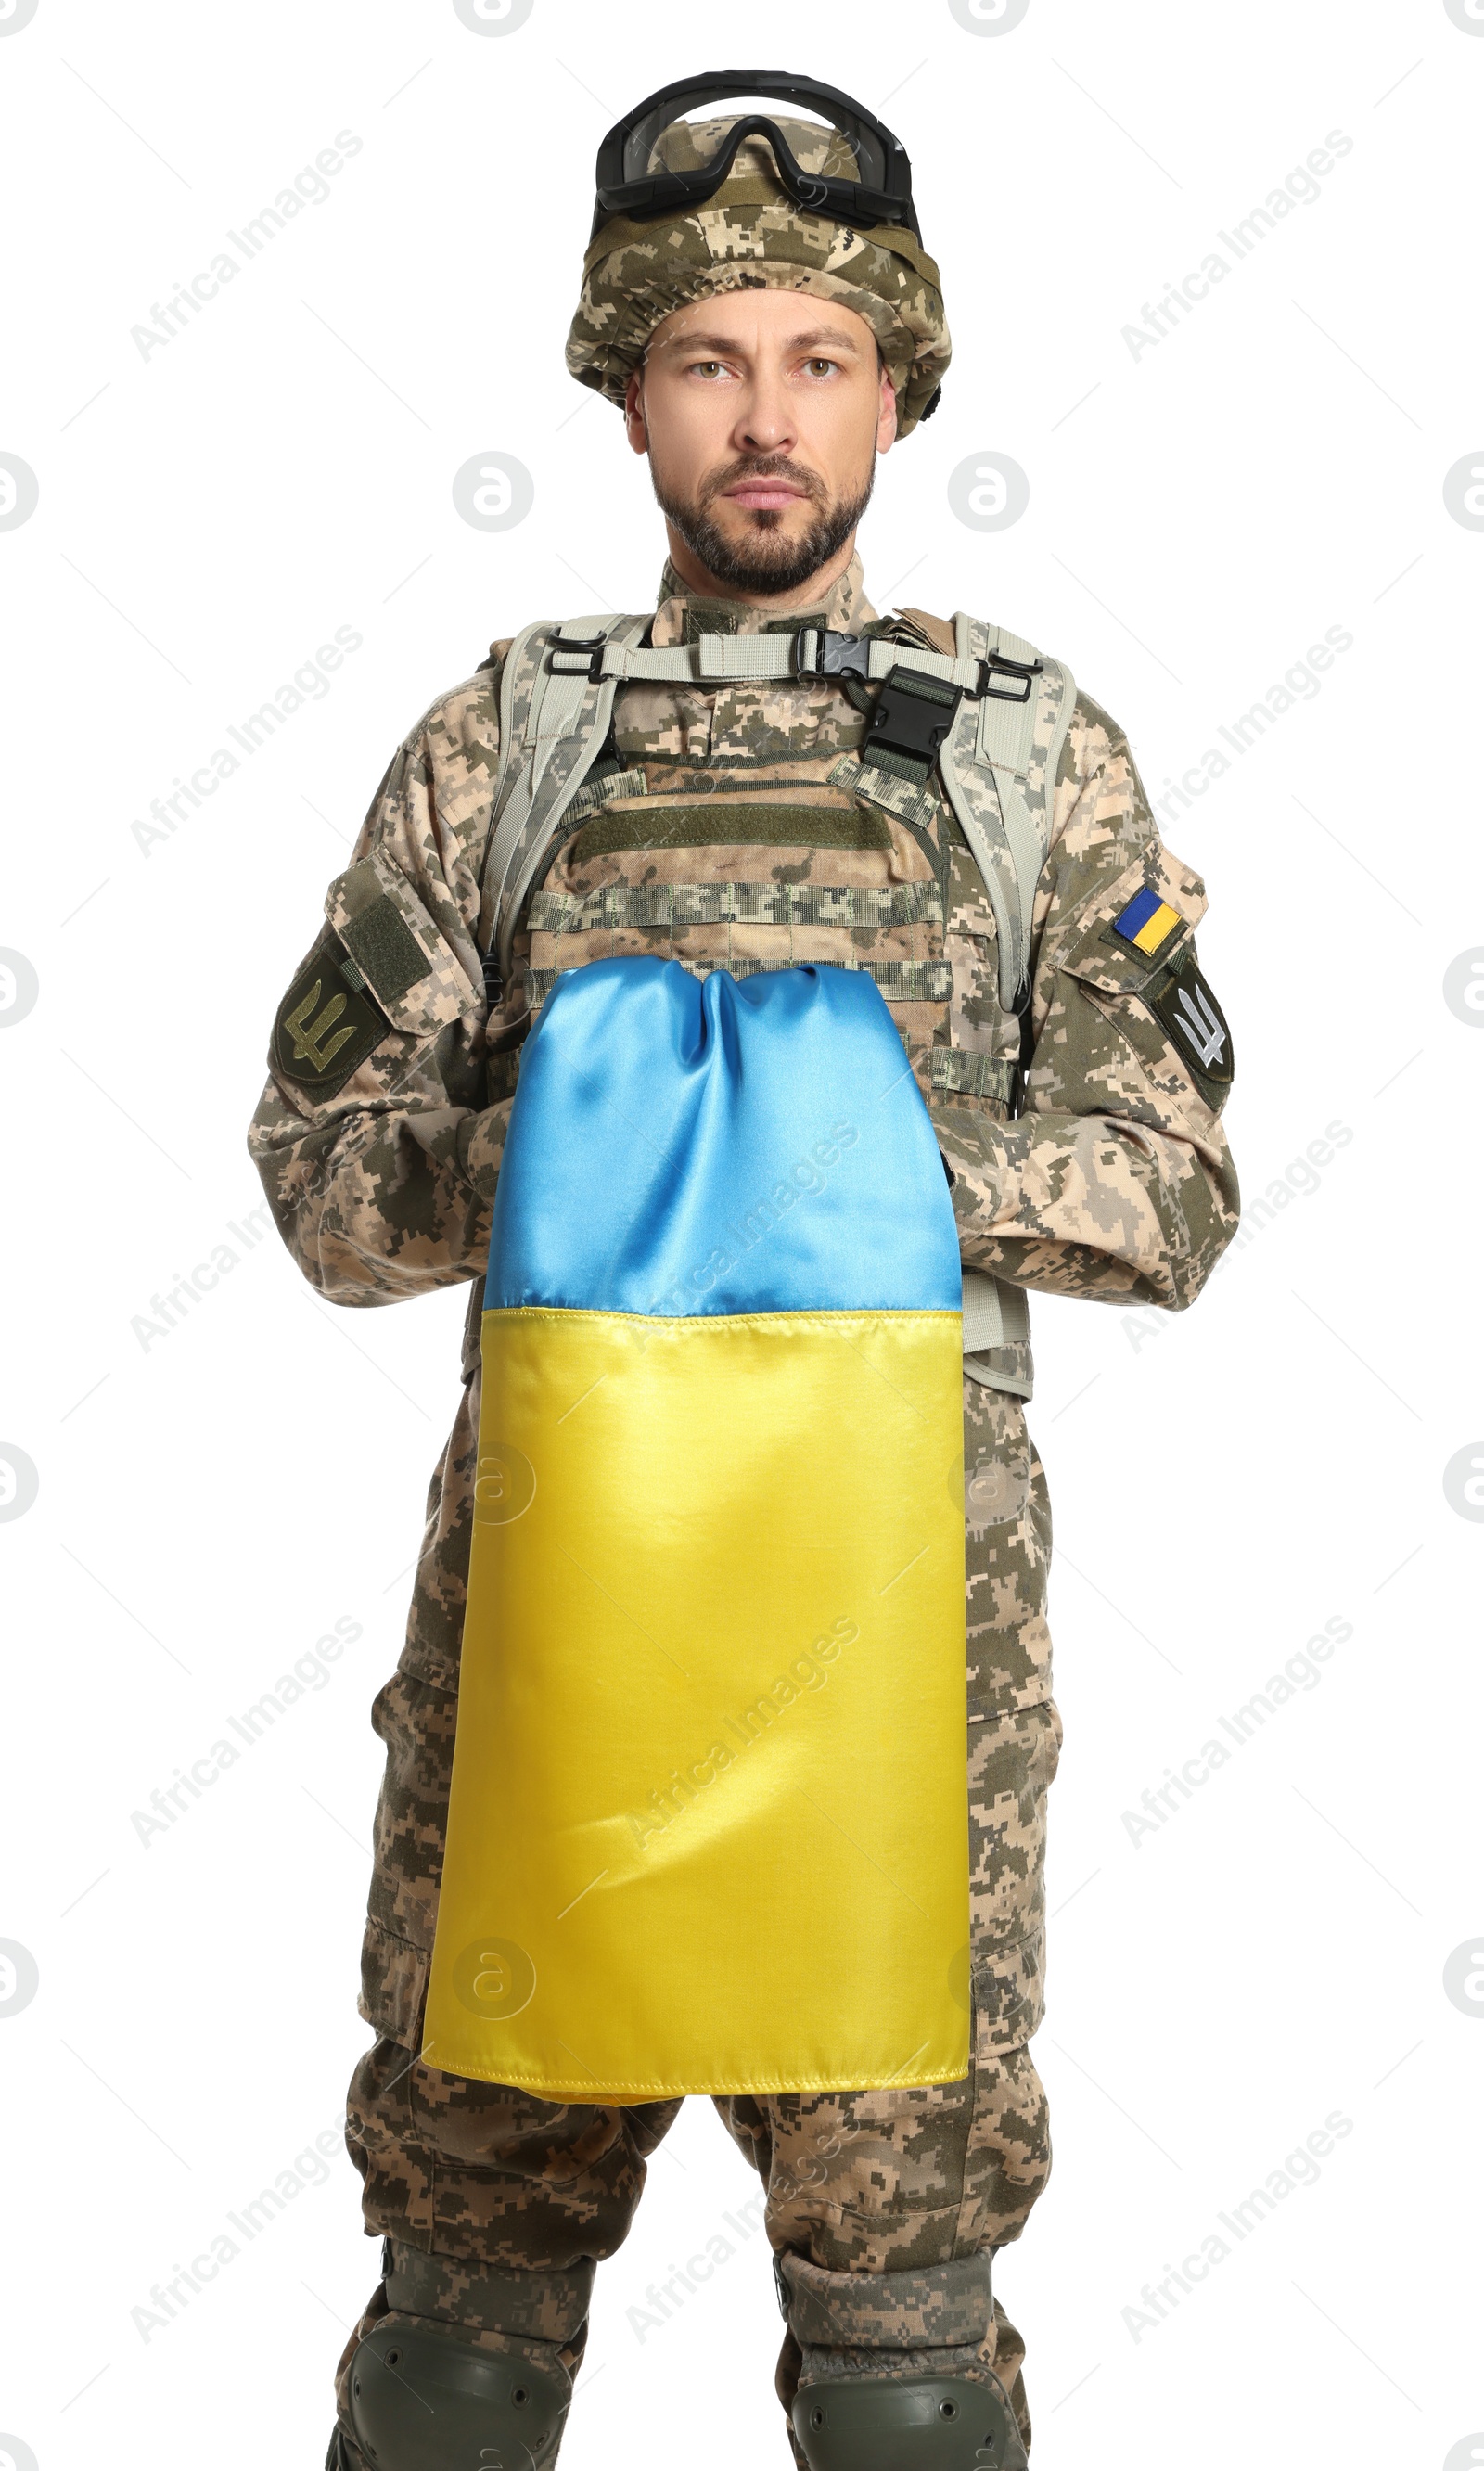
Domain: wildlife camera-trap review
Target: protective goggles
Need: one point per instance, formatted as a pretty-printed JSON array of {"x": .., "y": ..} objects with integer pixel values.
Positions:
[{"x": 668, "y": 155}]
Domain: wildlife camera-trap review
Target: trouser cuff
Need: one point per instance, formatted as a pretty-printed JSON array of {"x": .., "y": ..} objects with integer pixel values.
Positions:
[
  {"x": 947, "y": 2307},
  {"x": 541, "y": 2304}
]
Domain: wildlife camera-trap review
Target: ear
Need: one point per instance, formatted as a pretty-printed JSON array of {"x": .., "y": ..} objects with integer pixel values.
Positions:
[
  {"x": 633, "y": 415},
  {"x": 886, "y": 418}
]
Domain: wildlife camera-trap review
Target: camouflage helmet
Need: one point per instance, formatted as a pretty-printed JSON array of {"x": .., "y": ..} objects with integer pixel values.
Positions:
[{"x": 751, "y": 227}]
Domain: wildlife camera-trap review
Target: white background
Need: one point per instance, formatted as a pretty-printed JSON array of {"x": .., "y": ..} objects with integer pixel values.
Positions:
[{"x": 211, "y": 1502}]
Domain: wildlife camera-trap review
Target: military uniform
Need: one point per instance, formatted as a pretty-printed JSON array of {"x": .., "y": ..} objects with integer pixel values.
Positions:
[{"x": 714, "y": 834}]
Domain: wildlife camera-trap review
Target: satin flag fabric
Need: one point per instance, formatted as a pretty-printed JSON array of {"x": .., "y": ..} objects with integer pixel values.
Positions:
[{"x": 708, "y": 1830}]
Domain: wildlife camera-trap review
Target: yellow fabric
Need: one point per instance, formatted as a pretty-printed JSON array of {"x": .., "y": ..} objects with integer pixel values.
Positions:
[
  {"x": 709, "y": 1831},
  {"x": 1156, "y": 927}
]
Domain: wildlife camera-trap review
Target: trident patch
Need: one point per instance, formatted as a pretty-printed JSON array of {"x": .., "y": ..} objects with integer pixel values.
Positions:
[
  {"x": 1198, "y": 1028},
  {"x": 313, "y": 1044},
  {"x": 328, "y": 1023}
]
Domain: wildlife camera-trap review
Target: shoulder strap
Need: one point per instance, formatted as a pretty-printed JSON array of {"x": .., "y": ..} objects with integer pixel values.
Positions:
[
  {"x": 555, "y": 705},
  {"x": 999, "y": 766}
]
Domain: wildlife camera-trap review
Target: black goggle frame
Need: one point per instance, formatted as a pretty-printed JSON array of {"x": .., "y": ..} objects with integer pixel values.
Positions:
[{"x": 882, "y": 194}]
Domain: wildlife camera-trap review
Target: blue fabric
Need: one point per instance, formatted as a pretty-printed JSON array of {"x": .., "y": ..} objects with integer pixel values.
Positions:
[
  {"x": 1137, "y": 913},
  {"x": 716, "y": 1146}
]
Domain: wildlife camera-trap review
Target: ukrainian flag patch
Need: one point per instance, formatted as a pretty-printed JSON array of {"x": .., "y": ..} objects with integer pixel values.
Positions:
[{"x": 1147, "y": 922}]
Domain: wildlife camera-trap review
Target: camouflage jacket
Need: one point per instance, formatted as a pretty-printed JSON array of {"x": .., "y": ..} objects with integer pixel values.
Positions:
[{"x": 716, "y": 835}]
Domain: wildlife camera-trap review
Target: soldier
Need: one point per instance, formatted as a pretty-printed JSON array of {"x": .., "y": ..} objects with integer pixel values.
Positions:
[{"x": 797, "y": 781}]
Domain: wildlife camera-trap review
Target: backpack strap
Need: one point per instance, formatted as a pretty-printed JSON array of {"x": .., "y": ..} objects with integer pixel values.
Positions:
[
  {"x": 999, "y": 766},
  {"x": 555, "y": 707}
]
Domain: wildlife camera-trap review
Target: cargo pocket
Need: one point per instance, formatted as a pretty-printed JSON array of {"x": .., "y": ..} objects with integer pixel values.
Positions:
[
  {"x": 393, "y": 1984},
  {"x": 1007, "y": 1547},
  {"x": 1012, "y": 1762},
  {"x": 415, "y": 1720}
]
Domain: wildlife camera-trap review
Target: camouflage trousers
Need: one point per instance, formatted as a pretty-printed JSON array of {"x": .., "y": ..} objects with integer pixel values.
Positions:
[{"x": 882, "y": 2208}]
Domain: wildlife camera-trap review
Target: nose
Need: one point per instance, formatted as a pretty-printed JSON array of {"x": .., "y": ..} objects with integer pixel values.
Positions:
[{"x": 764, "y": 420}]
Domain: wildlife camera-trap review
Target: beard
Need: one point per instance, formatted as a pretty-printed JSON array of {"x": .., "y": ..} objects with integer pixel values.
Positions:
[{"x": 764, "y": 557}]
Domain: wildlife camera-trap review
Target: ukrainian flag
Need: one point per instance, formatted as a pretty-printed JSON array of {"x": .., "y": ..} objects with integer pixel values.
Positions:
[
  {"x": 708, "y": 1830},
  {"x": 1147, "y": 922}
]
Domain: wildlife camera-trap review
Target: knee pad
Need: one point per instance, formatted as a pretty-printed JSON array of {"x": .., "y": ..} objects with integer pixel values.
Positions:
[
  {"x": 428, "y": 2398},
  {"x": 913, "y": 2424}
]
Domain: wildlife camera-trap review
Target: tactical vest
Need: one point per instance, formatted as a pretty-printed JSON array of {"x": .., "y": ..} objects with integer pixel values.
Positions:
[{"x": 972, "y": 740}]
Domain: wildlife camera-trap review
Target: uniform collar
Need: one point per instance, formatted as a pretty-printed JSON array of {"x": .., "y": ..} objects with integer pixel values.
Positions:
[{"x": 683, "y": 614}]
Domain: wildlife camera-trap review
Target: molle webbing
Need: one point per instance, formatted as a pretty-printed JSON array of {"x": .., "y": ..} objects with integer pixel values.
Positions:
[
  {"x": 972, "y": 1076},
  {"x": 709, "y": 905},
  {"x": 714, "y": 821}
]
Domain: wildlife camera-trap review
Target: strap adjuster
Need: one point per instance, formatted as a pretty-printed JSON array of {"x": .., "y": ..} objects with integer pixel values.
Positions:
[
  {"x": 913, "y": 714},
  {"x": 586, "y": 656},
  {"x": 819, "y": 652},
  {"x": 1021, "y": 673}
]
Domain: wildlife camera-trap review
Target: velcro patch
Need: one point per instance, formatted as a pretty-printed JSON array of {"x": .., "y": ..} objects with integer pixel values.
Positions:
[
  {"x": 1147, "y": 922},
  {"x": 384, "y": 945},
  {"x": 328, "y": 1023},
  {"x": 1198, "y": 1028}
]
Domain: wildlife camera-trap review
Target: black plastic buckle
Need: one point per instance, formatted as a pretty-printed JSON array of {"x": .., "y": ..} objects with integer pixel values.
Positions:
[
  {"x": 819, "y": 652},
  {"x": 781, "y": 2286},
  {"x": 586, "y": 656},
  {"x": 913, "y": 714},
  {"x": 1022, "y": 672}
]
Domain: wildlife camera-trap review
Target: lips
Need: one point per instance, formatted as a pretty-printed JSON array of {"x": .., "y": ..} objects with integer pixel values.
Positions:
[{"x": 761, "y": 494}]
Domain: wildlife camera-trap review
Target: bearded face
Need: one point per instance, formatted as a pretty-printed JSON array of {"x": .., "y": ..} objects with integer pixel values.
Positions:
[{"x": 763, "y": 413}]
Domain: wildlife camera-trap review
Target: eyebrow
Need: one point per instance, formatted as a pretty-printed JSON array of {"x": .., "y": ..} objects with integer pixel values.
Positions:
[{"x": 834, "y": 336}]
